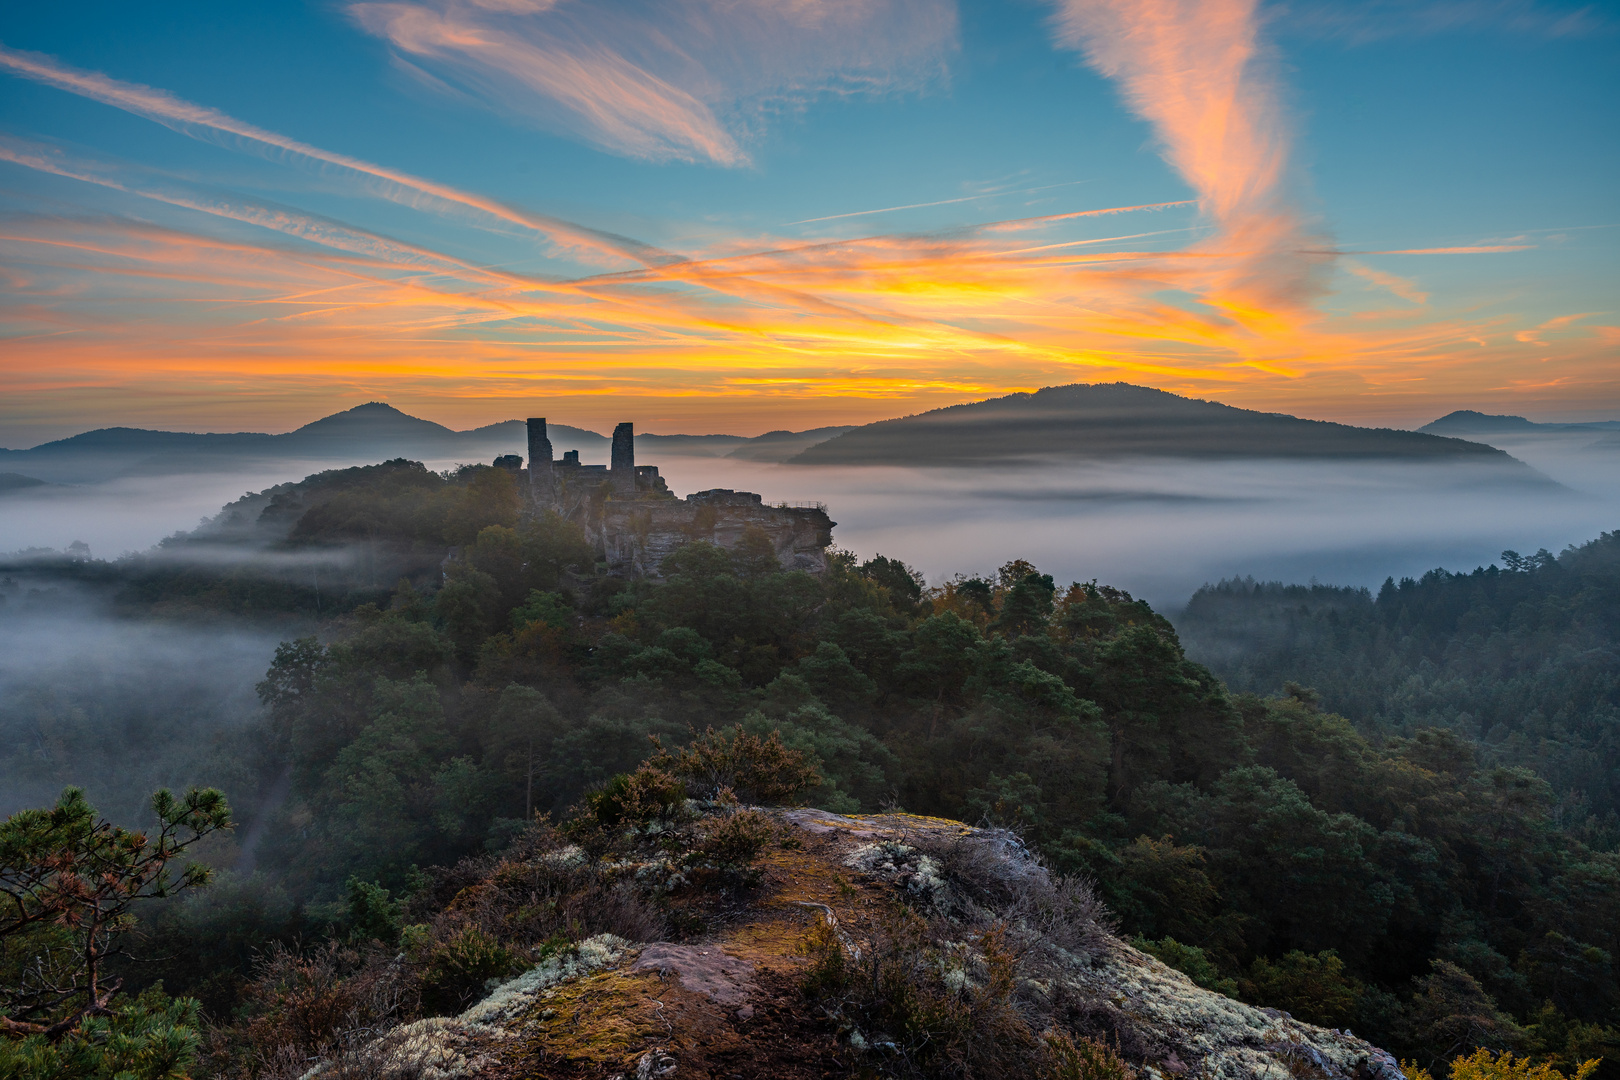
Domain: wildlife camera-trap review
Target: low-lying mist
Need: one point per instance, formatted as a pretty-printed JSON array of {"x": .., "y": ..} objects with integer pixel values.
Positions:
[
  {"x": 130, "y": 513},
  {"x": 1158, "y": 528},
  {"x": 122, "y": 706}
]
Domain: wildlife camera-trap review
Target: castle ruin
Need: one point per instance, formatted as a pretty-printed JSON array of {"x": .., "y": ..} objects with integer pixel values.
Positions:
[{"x": 635, "y": 521}]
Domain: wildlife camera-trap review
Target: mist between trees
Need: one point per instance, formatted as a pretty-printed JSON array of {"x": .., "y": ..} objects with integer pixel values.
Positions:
[{"x": 1410, "y": 875}]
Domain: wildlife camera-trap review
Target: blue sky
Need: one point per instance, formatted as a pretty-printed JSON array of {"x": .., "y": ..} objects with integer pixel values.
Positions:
[{"x": 712, "y": 132}]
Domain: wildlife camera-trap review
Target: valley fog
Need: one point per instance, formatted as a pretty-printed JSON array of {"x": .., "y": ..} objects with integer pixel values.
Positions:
[
  {"x": 121, "y": 707},
  {"x": 432, "y": 732},
  {"x": 1157, "y": 528},
  {"x": 131, "y": 513}
]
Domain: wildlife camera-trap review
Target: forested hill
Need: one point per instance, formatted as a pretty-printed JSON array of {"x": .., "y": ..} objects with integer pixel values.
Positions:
[
  {"x": 1522, "y": 659},
  {"x": 1120, "y": 420},
  {"x": 1466, "y": 422},
  {"x": 367, "y": 432},
  {"x": 389, "y": 790}
]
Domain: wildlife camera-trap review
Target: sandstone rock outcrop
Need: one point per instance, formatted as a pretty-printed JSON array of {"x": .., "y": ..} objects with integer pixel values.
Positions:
[
  {"x": 735, "y": 999},
  {"x": 635, "y": 521}
]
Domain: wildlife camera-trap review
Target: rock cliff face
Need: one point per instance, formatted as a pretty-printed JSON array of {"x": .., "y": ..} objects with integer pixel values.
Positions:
[
  {"x": 636, "y": 536},
  {"x": 631, "y": 517},
  {"x": 769, "y": 986}
]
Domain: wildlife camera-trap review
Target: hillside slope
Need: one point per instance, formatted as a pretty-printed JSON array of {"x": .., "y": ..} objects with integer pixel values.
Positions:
[
  {"x": 1465, "y": 422},
  {"x": 372, "y": 432},
  {"x": 1121, "y": 420},
  {"x": 985, "y": 966}
]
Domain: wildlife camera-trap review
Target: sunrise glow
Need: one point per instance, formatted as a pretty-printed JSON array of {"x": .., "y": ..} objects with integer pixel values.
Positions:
[{"x": 241, "y": 274}]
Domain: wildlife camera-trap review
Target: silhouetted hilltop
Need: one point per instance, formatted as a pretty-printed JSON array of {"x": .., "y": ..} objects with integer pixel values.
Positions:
[
  {"x": 373, "y": 420},
  {"x": 10, "y": 481},
  {"x": 1469, "y": 422},
  {"x": 1120, "y": 420},
  {"x": 782, "y": 445},
  {"x": 365, "y": 433}
]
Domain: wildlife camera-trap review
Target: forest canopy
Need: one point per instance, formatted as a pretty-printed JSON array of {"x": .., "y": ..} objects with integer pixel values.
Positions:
[{"x": 1359, "y": 854}]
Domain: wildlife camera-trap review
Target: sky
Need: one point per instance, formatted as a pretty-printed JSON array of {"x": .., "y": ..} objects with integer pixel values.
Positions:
[{"x": 740, "y": 215}]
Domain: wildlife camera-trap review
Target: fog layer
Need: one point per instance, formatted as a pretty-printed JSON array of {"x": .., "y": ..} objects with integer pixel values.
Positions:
[
  {"x": 1159, "y": 528},
  {"x": 122, "y": 706}
]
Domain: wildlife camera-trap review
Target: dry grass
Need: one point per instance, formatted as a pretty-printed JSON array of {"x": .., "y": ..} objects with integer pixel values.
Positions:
[
  {"x": 538, "y": 894},
  {"x": 325, "y": 1003},
  {"x": 997, "y": 876},
  {"x": 916, "y": 1003}
]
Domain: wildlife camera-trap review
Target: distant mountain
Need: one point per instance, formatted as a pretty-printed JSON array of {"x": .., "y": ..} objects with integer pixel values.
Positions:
[
  {"x": 688, "y": 445},
  {"x": 10, "y": 481},
  {"x": 372, "y": 422},
  {"x": 782, "y": 445},
  {"x": 1120, "y": 420},
  {"x": 1469, "y": 422},
  {"x": 364, "y": 434}
]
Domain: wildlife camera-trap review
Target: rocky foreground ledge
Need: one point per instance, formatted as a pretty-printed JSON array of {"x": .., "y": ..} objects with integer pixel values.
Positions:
[{"x": 758, "y": 994}]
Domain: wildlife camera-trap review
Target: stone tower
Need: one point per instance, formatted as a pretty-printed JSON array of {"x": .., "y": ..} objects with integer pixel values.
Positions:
[
  {"x": 541, "y": 481},
  {"x": 623, "y": 470}
]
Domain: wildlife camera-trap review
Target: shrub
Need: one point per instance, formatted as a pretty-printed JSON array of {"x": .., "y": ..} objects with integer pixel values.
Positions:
[
  {"x": 756, "y": 769},
  {"x": 636, "y": 798},
  {"x": 541, "y": 889},
  {"x": 931, "y": 1006},
  {"x": 454, "y": 972},
  {"x": 993, "y": 869},
  {"x": 737, "y": 841},
  {"x": 1081, "y": 1059},
  {"x": 318, "y": 1004},
  {"x": 1481, "y": 1065}
]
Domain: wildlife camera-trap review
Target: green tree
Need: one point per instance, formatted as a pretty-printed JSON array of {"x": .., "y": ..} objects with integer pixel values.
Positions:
[
  {"x": 1027, "y": 604},
  {"x": 152, "y": 1037},
  {"x": 1451, "y": 1014},
  {"x": 518, "y": 736},
  {"x": 904, "y": 584},
  {"x": 1314, "y": 988},
  {"x": 75, "y": 876}
]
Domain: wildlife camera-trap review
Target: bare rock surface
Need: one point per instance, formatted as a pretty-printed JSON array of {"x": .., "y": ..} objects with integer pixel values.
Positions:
[
  {"x": 704, "y": 969},
  {"x": 730, "y": 1001}
]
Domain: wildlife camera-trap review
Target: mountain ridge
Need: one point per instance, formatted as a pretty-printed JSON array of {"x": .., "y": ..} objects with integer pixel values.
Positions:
[
  {"x": 1472, "y": 422},
  {"x": 1112, "y": 420},
  {"x": 369, "y": 432}
]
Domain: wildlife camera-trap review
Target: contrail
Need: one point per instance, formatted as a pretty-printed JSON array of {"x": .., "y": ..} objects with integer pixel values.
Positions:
[
  {"x": 199, "y": 122},
  {"x": 941, "y": 202}
]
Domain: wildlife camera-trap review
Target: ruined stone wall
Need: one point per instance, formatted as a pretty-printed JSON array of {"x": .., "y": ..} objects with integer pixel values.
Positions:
[
  {"x": 630, "y": 516},
  {"x": 636, "y": 536}
]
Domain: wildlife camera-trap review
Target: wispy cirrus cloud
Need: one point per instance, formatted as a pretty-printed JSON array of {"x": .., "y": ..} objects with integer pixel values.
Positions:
[
  {"x": 211, "y": 125},
  {"x": 1536, "y": 335},
  {"x": 1202, "y": 74},
  {"x": 1220, "y": 302},
  {"x": 676, "y": 80},
  {"x": 1376, "y": 20},
  {"x": 1466, "y": 249}
]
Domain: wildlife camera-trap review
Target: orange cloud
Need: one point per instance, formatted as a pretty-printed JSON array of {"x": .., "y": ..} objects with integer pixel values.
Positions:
[
  {"x": 1533, "y": 336},
  {"x": 1400, "y": 286},
  {"x": 1199, "y": 72},
  {"x": 236, "y": 301}
]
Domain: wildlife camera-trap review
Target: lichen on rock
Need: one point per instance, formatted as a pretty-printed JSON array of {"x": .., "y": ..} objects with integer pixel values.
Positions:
[
  {"x": 742, "y": 987},
  {"x": 509, "y": 1000},
  {"x": 908, "y": 868}
]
